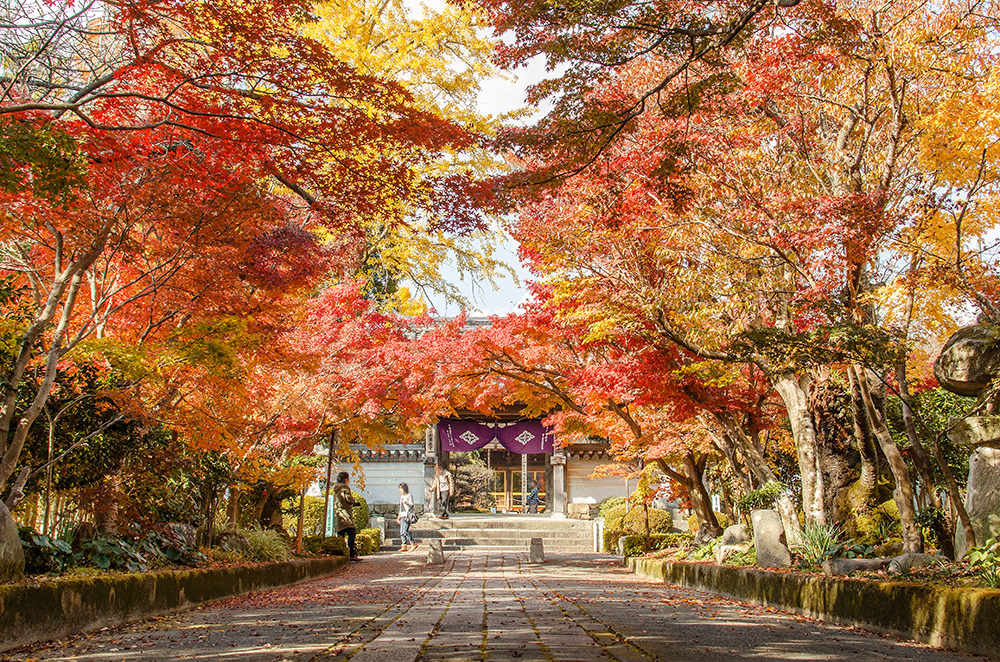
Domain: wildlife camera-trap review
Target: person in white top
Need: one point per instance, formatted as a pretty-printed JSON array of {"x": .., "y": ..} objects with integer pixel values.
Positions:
[{"x": 405, "y": 518}]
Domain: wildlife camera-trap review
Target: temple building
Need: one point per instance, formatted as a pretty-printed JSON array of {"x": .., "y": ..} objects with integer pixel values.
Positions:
[{"x": 512, "y": 447}]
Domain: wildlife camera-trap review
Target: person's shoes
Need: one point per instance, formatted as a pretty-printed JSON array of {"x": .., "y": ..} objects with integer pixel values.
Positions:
[
  {"x": 444, "y": 516},
  {"x": 356, "y": 558},
  {"x": 414, "y": 546},
  {"x": 404, "y": 548}
]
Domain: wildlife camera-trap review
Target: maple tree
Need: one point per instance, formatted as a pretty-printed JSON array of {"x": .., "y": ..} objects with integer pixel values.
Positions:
[
  {"x": 752, "y": 212},
  {"x": 194, "y": 153}
]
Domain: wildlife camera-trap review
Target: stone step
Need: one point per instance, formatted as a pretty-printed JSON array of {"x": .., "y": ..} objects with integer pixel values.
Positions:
[
  {"x": 553, "y": 546},
  {"x": 493, "y": 533},
  {"x": 502, "y": 542}
]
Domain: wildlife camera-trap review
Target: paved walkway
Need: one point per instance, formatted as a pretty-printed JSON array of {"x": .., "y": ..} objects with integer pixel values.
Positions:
[{"x": 480, "y": 606}]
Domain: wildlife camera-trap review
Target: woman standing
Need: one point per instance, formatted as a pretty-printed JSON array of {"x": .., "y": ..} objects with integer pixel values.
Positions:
[
  {"x": 343, "y": 512},
  {"x": 405, "y": 518}
]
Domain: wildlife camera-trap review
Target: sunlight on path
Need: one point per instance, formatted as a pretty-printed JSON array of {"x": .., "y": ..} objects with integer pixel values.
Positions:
[{"x": 486, "y": 606}]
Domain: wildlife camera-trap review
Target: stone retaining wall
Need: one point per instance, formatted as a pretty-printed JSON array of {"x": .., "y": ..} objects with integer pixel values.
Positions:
[
  {"x": 32, "y": 613},
  {"x": 958, "y": 618}
]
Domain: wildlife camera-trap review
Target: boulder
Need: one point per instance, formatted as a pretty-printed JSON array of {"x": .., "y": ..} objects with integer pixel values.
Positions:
[
  {"x": 891, "y": 548},
  {"x": 975, "y": 431},
  {"x": 905, "y": 562},
  {"x": 735, "y": 535},
  {"x": 969, "y": 360},
  {"x": 769, "y": 539},
  {"x": 11, "y": 551},
  {"x": 536, "y": 553},
  {"x": 435, "y": 552},
  {"x": 232, "y": 541},
  {"x": 723, "y": 552},
  {"x": 982, "y": 499},
  {"x": 845, "y": 567},
  {"x": 183, "y": 532}
]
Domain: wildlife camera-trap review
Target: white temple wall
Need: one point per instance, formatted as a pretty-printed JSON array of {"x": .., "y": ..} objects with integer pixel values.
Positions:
[
  {"x": 382, "y": 481},
  {"x": 584, "y": 489}
]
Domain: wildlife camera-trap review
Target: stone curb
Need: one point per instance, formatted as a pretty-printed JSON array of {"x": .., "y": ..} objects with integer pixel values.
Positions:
[
  {"x": 958, "y": 618},
  {"x": 33, "y": 613}
]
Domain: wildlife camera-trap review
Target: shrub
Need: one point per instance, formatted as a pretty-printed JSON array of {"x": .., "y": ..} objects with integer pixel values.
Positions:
[
  {"x": 375, "y": 535},
  {"x": 267, "y": 545},
  {"x": 762, "y": 497},
  {"x": 635, "y": 545},
  {"x": 985, "y": 561},
  {"x": 614, "y": 518},
  {"x": 818, "y": 542},
  {"x": 660, "y": 521},
  {"x": 108, "y": 552},
  {"x": 365, "y": 543},
  {"x": 169, "y": 547},
  {"x": 45, "y": 554},
  {"x": 332, "y": 546},
  {"x": 361, "y": 514},
  {"x": 610, "y": 542},
  {"x": 608, "y": 504}
]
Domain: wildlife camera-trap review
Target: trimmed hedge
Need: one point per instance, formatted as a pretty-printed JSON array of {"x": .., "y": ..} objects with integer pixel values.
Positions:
[
  {"x": 33, "y": 613},
  {"x": 961, "y": 618}
]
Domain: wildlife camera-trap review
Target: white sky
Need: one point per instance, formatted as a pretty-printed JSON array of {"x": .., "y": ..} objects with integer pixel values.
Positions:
[{"x": 497, "y": 96}]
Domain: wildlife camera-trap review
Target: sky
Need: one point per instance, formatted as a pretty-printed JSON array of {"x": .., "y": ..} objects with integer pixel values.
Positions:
[{"x": 497, "y": 96}]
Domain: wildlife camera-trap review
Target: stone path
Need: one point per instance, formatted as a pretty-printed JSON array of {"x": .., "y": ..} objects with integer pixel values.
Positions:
[{"x": 480, "y": 606}]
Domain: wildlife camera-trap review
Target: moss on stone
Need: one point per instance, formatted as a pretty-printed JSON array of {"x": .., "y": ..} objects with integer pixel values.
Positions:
[
  {"x": 961, "y": 618},
  {"x": 31, "y": 613}
]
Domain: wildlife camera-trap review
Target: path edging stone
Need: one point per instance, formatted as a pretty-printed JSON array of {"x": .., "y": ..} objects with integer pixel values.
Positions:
[
  {"x": 30, "y": 613},
  {"x": 963, "y": 619}
]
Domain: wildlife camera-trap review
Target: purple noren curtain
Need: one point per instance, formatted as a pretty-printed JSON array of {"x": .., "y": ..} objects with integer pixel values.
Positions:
[{"x": 528, "y": 436}]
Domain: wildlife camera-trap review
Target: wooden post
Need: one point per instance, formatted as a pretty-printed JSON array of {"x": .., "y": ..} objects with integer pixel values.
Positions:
[
  {"x": 329, "y": 478},
  {"x": 302, "y": 521}
]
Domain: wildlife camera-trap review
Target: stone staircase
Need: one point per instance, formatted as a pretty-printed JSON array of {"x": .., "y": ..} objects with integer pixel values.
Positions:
[{"x": 499, "y": 532}]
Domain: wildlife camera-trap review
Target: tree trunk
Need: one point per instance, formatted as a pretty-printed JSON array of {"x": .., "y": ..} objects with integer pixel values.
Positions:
[
  {"x": 762, "y": 472},
  {"x": 836, "y": 455},
  {"x": 233, "y": 508},
  {"x": 701, "y": 502},
  {"x": 864, "y": 489},
  {"x": 794, "y": 395},
  {"x": 913, "y": 539},
  {"x": 106, "y": 507}
]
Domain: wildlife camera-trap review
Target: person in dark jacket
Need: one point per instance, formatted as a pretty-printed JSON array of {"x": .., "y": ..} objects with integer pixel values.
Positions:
[{"x": 343, "y": 512}]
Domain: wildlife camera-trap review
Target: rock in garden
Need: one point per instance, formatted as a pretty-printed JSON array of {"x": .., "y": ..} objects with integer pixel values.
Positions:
[
  {"x": 185, "y": 532},
  {"x": 769, "y": 539},
  {"x": 723, "y": 552},
  {"x": 845, "y": 567},
  {"x": 969, "y": 360},
  {"x": 232, "y": 541},
  {"x": 905, "y": 562},
  {"x": 536, "y": 554},
  {"x": 975, "y": 431},
  {"x": 11, "y": 552},
  {"x": 735, "y": 535},
  {"x": 435, "y": 552},
  {"x": 982, "y": 499}
]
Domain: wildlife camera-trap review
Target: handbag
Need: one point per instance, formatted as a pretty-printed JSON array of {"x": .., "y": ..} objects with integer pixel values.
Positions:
[{"x": 411, "y": 517}]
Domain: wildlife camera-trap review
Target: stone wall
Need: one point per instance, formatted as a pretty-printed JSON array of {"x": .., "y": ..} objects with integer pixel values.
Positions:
[
  {"x": 963, "y": 619},
  {"x": 42, "y": 612}
]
